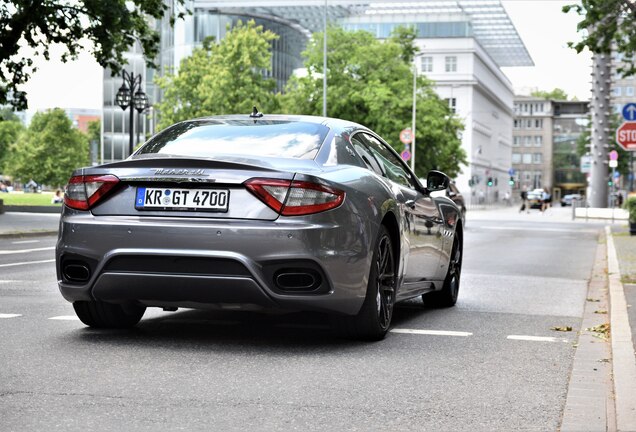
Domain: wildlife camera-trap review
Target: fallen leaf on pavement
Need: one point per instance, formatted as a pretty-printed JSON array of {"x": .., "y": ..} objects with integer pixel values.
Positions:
[
  {"x": 561, "y": 329},
  {"x": 592, "y": 300},
  {"x": 600, "y": 311}
]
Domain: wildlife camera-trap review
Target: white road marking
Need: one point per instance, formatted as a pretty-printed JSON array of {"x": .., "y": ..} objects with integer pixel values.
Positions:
[
  {"x": 10, "y": 281},
  {"x": 431, "y": 332},
  {"x": 21, "y": 251},
  {"x": 10, "y": 315},
  {"x": 561, "y": 230},
  {"x": 25, "y": 241},
  {"x": 65, "y": 318},
  {"x": 27, "y": 262},
  {"x": 536, "y": 338}
]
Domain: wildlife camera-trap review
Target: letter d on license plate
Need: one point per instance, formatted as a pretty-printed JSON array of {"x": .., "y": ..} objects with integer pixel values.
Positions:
[{"x": 214, "y": 200}]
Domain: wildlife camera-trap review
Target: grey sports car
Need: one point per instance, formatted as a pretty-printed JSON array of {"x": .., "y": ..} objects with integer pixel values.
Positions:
[{"x": 258, "y": 212}]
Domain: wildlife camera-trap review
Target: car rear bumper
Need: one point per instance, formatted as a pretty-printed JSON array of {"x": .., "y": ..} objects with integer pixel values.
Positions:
[{"x": 289, "y": 264}]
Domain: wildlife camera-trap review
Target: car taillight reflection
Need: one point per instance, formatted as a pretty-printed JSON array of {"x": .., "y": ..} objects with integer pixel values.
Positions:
[{"x": 83, "y": 192}]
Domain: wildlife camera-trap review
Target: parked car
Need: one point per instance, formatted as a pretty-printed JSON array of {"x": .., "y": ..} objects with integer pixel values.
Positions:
[
  {"x": 277, "y": 212},
  {"x": 535, "y": 199},
  {"x": 567, "y": 199}
]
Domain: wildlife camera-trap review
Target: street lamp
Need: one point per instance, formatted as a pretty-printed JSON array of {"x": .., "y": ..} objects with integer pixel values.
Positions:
[
  {"x": 127, "y": 97},
  {"x": 415, "y": 57}
]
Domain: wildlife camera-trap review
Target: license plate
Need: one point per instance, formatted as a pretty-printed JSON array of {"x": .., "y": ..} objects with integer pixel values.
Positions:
[{"x": 214, "y": 200}]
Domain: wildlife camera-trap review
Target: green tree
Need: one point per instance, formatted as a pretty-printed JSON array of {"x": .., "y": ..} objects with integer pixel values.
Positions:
[
  {"x": 555, "y": 94},
  {"x": 106, "y": 28},
  {"x": 371, "y": 83},
  {"x": 223, "y": 78},
  {"x": 7, "y": 113},
  {"x": 9, "y": 132},
  {"x": 606, "y": 24},
  {"x": 49, "y": 150}
]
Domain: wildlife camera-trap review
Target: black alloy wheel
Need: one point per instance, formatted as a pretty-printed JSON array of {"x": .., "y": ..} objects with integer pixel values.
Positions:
[
  {"x": 374, "y": 319},
  {"x": 447, "y": 296}
]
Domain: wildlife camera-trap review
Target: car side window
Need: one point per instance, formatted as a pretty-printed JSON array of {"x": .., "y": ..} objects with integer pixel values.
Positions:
[
  {"x": 393, "y": 168},
  {"x": 366, "y": 156}
]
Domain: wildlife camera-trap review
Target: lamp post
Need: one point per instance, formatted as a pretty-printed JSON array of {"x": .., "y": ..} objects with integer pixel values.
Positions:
[
  {"x": 127, "y": 97},
  {"x": 414, "y": 114}
]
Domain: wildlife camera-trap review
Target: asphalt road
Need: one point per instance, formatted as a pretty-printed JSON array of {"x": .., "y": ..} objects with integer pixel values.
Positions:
[{"x": 495, "y": 364}]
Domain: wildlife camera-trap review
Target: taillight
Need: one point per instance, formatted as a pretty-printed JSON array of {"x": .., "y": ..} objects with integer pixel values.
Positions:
[
  {"x": 83, "y": 192},
  {"x": 295, "y": 198}
]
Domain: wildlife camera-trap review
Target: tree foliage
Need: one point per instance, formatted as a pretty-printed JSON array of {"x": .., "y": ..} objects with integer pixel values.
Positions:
[
  {"x": 607, "y": 24},
  {"x": 555, "y": 94},
  {"x": 371, "y": 82},
  {"x": 10, "y": 130},
  {"x": 49, "y": 150},
  {"x": 107, "y": 28},
  {"x": 223, "y": 78}
]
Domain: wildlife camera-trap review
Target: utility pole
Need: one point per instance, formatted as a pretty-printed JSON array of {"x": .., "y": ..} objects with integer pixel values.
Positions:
[{"x": 600, "y": 110}]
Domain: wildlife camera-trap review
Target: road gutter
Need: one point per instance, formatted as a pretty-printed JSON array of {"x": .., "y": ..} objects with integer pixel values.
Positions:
[
  {"x": 623, "y": 359},
  {"x": 589, "y": 402}
]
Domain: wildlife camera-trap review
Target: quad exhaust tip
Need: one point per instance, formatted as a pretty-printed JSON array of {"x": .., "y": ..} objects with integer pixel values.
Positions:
[
  {"x": 297, "y": 281},
  {"x": 76, "y": 272}
]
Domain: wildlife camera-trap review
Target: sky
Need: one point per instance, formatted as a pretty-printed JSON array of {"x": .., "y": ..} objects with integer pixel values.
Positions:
[{"x": 544, "y": 29}]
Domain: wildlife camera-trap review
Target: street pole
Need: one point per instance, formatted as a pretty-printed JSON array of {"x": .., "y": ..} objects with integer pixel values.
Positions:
[
  {"x": 631, "y": 171},
  {"x": 414, "y": 115},
  {"x": 601, "y": 81},
  {"x": 324, "y": 65}
]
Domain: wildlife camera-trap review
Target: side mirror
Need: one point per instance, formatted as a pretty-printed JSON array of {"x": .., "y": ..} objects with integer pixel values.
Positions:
[{"x": 437, "y": 181}]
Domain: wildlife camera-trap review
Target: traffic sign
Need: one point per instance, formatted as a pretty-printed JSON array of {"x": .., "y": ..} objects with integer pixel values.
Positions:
[
  {"x": 406, "y": 155},
  {"x": 629, "y": 112},
  {"x": 613, "y": 155},
  {"x": 613, "y": 163},
  {"x": 626, "y": 136},
  {"x": 406, "y": 136},
  {"x": 511, "y": 172},
  {"x": 586, "y": 164}
]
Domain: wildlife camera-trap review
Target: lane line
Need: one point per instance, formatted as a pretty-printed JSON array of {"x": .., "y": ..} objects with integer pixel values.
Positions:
[
  {"x": 10, "y": 281},
  {"x": 561, "y": 230},
  {"x": 27, "y": 262},
  {"x": 25, "y": 241},
  {"x": 536, "y": 338},
  {"x": 431, "y": 332},
  {"x": 22, "y": 251},
  {"x": 10, "y": 315},
  {"x": 65, "y": 318}
]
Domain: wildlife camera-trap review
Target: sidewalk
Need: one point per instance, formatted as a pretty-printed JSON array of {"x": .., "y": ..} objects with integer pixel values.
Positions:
[{"x": 17, "y": 224}]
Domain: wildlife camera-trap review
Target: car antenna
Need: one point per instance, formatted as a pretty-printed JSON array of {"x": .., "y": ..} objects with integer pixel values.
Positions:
[{"x": 256, "y": 113}]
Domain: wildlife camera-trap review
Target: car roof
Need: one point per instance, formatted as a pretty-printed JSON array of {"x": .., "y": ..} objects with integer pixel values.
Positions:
[{"x": 330, "y": 122}]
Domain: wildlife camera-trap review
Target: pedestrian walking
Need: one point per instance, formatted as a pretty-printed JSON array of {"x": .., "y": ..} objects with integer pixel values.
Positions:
[
  {"x": 524, "y": 201},
  {"x": 546, "y": 199}
]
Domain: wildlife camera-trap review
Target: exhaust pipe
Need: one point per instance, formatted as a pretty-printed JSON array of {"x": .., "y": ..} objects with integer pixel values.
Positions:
[
  {"x": 76, "y": 272},
  {"x": 296, "y": 281}
]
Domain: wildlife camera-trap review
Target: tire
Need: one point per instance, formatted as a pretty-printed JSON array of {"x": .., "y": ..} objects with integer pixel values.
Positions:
[
  {"x": 99, "y": 314},
  {"x": 374, "y": 318},
  {"x": 447, "y": 296}
]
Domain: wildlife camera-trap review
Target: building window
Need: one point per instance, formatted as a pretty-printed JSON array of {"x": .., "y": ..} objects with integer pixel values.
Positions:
[
  {"x": 527, "y": 141},
  {"x": 538, "y": 141},
  {"x": 516, "y": 158},
  {"x": 537, "y": 158},
  {"x": 516, "y": 141},
  {"x": 527, "y": 158},
  {"x": 537, "y": 180},
  {"x": 629, "y": 91},
  {"x": 427, "y": 64},
  {"x": 616, "y": 91},
  {"x": 538, "y": 123},
  {"x": 529, "y": 124},
  {"x": 451, "y": 64},
  {"x": 452, "y": 104},
  {"x": 516, "y": 125}
]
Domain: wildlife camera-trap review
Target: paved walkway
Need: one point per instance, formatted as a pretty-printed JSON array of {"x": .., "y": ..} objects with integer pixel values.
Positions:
[{"x": 25, "y": 224}]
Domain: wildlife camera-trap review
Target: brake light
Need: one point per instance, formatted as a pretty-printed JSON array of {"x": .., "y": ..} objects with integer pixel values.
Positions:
[
  {"x": 83, "y": 192},
  {"x": 295, "y": 198}
]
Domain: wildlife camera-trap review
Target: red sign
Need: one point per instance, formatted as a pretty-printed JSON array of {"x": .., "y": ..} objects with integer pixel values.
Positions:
[
  {"x": 406, "y": 136},
  {"x": 626, "y": 136}
]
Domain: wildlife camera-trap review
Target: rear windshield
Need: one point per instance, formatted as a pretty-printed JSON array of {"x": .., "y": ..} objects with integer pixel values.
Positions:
[{"x": 264, "y": 138}]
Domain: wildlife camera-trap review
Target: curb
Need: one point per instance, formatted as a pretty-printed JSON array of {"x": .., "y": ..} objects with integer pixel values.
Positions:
[
  {"x": 623, "y": 359},
  {"x": 33, "y": 209}
]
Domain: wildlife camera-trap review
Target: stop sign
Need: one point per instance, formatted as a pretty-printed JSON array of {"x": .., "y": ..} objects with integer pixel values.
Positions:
[{"x": 626, "y": 136}]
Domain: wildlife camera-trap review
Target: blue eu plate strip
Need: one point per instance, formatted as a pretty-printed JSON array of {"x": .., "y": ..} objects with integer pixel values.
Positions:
[{"x": 141, "y": 194}]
